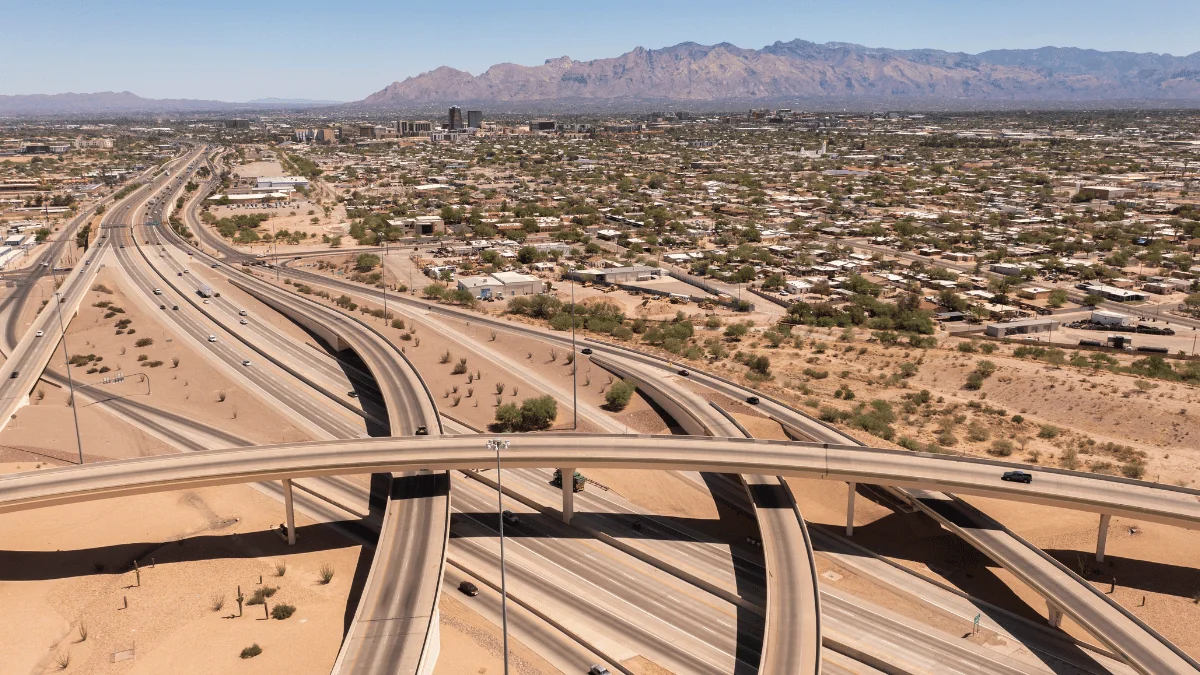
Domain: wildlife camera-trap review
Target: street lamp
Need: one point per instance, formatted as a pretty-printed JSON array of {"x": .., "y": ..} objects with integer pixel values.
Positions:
[
  {"x": 62, "y": 326},
  {"x": 497, "y": 445}
]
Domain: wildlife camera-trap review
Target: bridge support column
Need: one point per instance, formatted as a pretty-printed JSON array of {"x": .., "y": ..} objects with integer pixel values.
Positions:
[
  {"x": 1056, "y": 615},
  {"x": 850, "y": 493},
  {"x": 568, "y": 494},
  {"x": 1102, "y": 536},
  {"x": 288, "y": 507}
]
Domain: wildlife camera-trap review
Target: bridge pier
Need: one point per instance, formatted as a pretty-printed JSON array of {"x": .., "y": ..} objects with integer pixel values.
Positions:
[
  {"x": 288, "y": 507},
  {"x": 568, "y": 494},
  {"x": 850, "y": 493},
  {"x": 1056, "y": 615},
  {"x": 1102, "y": 536}
]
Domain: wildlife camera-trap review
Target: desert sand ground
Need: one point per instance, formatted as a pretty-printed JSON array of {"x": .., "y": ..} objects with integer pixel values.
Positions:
[
  {"x": 192, "y": 387},
  {"x": 71, "y": 566}
]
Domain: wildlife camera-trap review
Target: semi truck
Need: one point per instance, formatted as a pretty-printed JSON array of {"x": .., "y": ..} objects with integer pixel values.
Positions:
[{"x": 580, "y": 481}]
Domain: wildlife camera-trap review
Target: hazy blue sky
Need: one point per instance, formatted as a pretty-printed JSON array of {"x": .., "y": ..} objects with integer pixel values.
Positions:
[{"x": 237, "y": 51}]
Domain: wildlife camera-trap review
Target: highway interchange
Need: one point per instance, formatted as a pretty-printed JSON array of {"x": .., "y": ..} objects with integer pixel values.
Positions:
[{"x": 730, "y": 609}]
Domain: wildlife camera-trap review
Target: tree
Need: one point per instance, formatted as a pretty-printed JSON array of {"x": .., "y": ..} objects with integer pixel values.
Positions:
[
  {"x": 538, "y": 413},
  {"x": 1058, "y": 298},
  {"x": 618, "y": 394},
  {"x": 366, "y": 262},
  {"x": 81, "y": 237},
  {"x": 42, "y": 234},
  {"x": 527, "y": 255},
  {"x": 1093, "y": 300}
]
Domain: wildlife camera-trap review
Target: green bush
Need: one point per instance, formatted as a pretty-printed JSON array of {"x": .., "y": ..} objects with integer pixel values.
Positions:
[
  {"x": 619, "y": 394},
  {"x": 1049, "y": 431},
  {"x": 534, "y": 414},
  {"x": 261, "y": 594},
  {"x": 1001, "y": 448}
]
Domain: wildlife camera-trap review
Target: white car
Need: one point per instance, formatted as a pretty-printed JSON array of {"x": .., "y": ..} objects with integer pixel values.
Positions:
[
  {"x": 246, "y": 362},
  {"x": 243, "y": 322},
  {"x": 39, "y": 334},
  {"x": 212, "y": 338}
]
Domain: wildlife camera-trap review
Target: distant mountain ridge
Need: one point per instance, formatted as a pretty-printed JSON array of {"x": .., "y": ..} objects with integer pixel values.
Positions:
[
  {"x": 810, "y": 72},
  {"x": 109, "y": 102}
]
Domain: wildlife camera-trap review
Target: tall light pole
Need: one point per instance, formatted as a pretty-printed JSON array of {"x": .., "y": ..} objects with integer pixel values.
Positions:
[
  {"x": 574, "y": 363},
  {"x": 383, "y": 269},
  {"x": 62, "y": 326},
  {"x": 497, "y": 445}
]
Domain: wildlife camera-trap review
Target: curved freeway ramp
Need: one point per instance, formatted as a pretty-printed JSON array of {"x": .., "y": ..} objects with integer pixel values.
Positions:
[
  {"x": 792, "y": 635},
  {"x": 394, "y": 629},
  {"x": 1065, "y": 592}
]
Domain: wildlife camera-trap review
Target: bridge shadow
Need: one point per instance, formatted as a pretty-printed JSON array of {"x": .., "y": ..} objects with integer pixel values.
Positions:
[
  {"x": 119, "y": 558},
  {"x": 1144, "y": 575},
  {"x": 917, "y": 538}
]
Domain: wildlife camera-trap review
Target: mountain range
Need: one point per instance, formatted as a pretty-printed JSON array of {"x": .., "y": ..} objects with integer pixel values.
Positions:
[
  {"x": 120, "y": 103},
  {"x": 805, "y": 72},
  {"x": 723, "y": 76}
]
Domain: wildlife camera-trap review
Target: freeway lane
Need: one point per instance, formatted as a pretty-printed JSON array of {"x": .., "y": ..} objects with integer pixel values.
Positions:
[
  {"x": 792, "y": 636},
  {"x": 395, "y": 623},
  {"x": 29, "y": 358}
]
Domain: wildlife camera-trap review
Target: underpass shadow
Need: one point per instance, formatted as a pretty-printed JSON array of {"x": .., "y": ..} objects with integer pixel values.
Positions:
[
  {"x": 917, "y": 538},
  {"x": 119, "y": 558},
  {"x": 1144, "y": 575}
]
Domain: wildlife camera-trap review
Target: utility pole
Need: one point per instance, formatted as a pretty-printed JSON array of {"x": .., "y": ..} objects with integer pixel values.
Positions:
[
  {"x": 574, "y": 364},
  {"x": 62, "y": 326},
  {"x": 383, "y": 269},
  {"x": 497, "y": 445}
]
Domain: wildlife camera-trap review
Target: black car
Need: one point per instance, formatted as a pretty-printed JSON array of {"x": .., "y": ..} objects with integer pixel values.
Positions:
[
  {"x": 15, "y": 374},
  {"x": 684, "y": 373},
  {"x": 1017, "y": 477},
  {"x": 511, "y": 518},
  {"x": 586, "y": 351},
  {"x": 422, "y": 431},
  {"x": 468, "y": 588},
  {"x": 752, "y": 400}
]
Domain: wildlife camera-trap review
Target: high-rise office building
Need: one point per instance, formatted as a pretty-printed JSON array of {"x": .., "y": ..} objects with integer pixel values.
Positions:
[
  {"x": 474, "y": 119},
  {"x": 456, "y": 121}
]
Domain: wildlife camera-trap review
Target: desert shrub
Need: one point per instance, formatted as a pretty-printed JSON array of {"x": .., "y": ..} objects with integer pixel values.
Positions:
[
  {"x": 1049, "y": 431},
  {"x": 144, "y": 342},
  {"x": 325, "y": 573},
  {"x": 251, "y": 651},
  {"x": 282, "y": 611},
  {"x": 619, "y": 394},
  {"x": 1001, "y": 448},
  {"x": 261, "y": 594},
  {"x": 976, "y": 432}
]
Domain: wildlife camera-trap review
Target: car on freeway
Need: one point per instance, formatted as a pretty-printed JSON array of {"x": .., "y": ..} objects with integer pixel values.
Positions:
[
  {"x": 214, "y": 266},
  {"x": 175, "y": 307},
  {"x": 162, "y": 306},
  {"x": 684, "y": 373},
  {"x": 510, "y": 518},
  {"x": 422, "y": 431},
  {"x": 1017, "y": 477},
  {"x": 468, "y": 588},
  {"x": 179, "y": 274},
  {"x": 15, "y": 373},
  {"x": 244, "y": 322},
  {"x": 752, "y": 400},
  {"x": 586, "y": 351},
  {"x": 212, "y": 338},
  {"x": 39, "y": 334},
  {"x": 352, "y": 394},
  {"x": 598, "y": 669}
]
